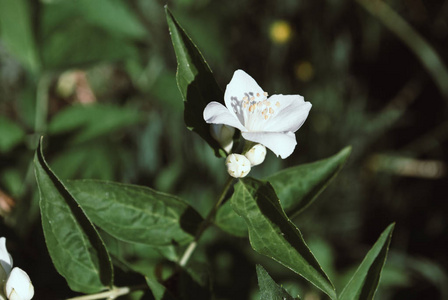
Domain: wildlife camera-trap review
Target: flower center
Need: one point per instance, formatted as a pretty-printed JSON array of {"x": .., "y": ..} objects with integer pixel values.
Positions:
[{"x": 254, "y": 109}]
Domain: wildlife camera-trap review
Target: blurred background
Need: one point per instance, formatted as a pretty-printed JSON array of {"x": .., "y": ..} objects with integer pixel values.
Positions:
[{"x": 97, "y": 79}]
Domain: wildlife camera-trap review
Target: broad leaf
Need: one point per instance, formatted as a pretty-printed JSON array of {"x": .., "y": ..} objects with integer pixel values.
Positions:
[
  {"x": 76, "y": 249},
  {"x": 269, "y": 290},
  {"x": 135, "y": 213},
  {"x": 90, "y": 121},
  {"x": 16, "y": 32},
  {"x": 195, "y": 81},
  {"x": 11, "y": 134},
  {"x": 364, "y": 283},
  {"x": 298, "y": 187},
  {"x": 271, "y": 233}
]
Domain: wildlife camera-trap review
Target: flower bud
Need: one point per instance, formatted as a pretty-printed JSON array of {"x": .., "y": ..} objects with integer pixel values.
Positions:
[
  {"x": 5, "y": 262},
  {"x": 237, "y": 165},
  {"x": 224, "y": 135},
  {"x": 19, "y": 286},
  {"x": 256, "y": 154}
]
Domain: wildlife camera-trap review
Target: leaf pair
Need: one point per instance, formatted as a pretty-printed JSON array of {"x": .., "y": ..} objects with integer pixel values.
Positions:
[{"x": 129, "y": 213}]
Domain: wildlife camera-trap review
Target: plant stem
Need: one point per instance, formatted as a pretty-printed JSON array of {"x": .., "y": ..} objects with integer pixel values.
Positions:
[
  {"x": 205, "y": 224},
  {"x": 112, "y": 294}
]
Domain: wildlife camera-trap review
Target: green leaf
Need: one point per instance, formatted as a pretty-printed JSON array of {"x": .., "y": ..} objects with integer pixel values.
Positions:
[
  {"x": 269, "y": 290},
  {"x": 229, "y": 221},
  {"x": 364, "y": 283},
  {"x": 16, "y": 32},
  {"x": 271, "y": 233},
  {"x": 158, "y": 290},
  {"x": 298, "y": 187},
  {"x": 76, "y": 249},
  {"x": 87, "y": 122},
  {"x": 135, "y": 213},
  {"x": 11, "y": 134},
  {"x": 195, "y": 81}
]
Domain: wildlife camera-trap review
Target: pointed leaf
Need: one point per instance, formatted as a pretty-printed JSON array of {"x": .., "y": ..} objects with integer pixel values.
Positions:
[
  {"x": 76, "y": 249},
  {"x": 135, "y": 213},
  {"x": 195, "y": 82},
  {"x": 271, "y": 233},
  {"x": 159, "y": 291},
  {"x": 269, "y": 289},
  {"x": 298, "y": 187},
  {"x": 364, "y": 283}
]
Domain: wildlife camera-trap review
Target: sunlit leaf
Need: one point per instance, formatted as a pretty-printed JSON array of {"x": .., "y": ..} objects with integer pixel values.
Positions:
[
  {"x": 195, "y": 81},
  {"x": 271, "y": 233},
  {"x": 76, "y": 249},
  {"x": 228, "y": 220},
  {"x": 16, "y": 32},
  {"x": 364, "y": 283},
  {"x": 269, "y": 290},
  {"x": 297, "y": 187},
  {"x": 135, "y": 213}
]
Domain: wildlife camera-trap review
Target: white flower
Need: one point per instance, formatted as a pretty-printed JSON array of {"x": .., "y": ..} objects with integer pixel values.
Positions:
[
  {"x": 269, "y": 121},
  {"x": 15, "y": 283},
  {"x": 5, "y": 263},
  {"x": 238, "y": 165},
  {"x": 256, "y": 154},
  {"x": 18, "y": 286},
  {"x": 224, "y": 135}
]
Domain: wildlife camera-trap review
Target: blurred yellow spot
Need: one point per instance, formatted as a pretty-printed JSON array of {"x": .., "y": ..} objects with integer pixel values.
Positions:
[
  {"x": 280, "y": 32},
  {"x": 304, "y": 71}
]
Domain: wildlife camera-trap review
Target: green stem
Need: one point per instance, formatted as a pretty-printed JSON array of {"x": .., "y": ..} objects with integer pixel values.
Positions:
[{"x": 205, "y": 224}]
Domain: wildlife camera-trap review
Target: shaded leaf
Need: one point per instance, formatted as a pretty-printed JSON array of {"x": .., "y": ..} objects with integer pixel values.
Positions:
[
  {"x": 271, "y": 233},
  {"x": 76, "y": 249},
  {"x": 158, "y": 290},
  {"x": 298, "y": 187},
  {"x": 135, "y": 213},
  {"x": 16, "y": 32},
  {"x": 269, "y": 289},
  {"x": 364, "y": 283},
  {"x": 91, "y": 121},
  {"x": 11, "y": 134},
  {"x": 229, "y": 221},
  {"x": 195, "y": 81}
]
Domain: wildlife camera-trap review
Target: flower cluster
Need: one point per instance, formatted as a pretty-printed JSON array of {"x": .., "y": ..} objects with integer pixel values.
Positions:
[
  {"x": 268, "y": 121},
  {"x": 15, "y": 284}
]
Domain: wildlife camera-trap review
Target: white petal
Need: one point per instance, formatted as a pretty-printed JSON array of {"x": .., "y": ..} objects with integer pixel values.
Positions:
[
  {"x": 281, "y": 143},
  {"x": 19, "y": 285},
  {"x": 5, "y": 260},
  {"x": 216, "y": 113},
  {"x": 291, "y": 112},
  {"x": 240, "y": 86}
]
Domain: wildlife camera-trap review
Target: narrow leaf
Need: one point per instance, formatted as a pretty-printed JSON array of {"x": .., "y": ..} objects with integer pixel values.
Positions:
[
  {"x": 195, "y": 81},
  {"x": 16, "y": 32},
  {"x": 364, "y": 283},
  {"x": 136, "y": 214},
  {"x": 76, "y": 249},
  {"x": 271, "y": 233},
  {"x": 269, "y": 289},
  {"x": 298, "y": 187}
]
